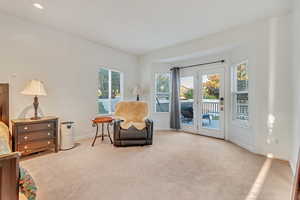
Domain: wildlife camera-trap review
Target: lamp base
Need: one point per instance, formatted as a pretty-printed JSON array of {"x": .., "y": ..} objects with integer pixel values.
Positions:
[{"x": 35, "y": 105}]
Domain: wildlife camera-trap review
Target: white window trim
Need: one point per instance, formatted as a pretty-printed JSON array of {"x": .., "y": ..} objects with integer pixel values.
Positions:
[
  {"x": 109, "y": 89},
  {"x": 155, "y": 92},
  {"x": 238, "y": 122}
]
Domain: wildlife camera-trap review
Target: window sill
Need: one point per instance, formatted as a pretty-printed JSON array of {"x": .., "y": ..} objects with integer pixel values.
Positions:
[{"x": 104, "y": 115}]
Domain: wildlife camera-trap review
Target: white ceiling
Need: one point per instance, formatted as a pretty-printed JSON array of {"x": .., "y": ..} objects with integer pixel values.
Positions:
[{"x": 141, "y": 26}]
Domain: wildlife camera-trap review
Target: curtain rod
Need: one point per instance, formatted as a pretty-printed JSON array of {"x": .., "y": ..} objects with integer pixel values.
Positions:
[{"x": 196, "y": 65}]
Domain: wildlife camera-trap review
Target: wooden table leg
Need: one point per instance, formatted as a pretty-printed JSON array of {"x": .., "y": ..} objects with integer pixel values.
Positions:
[
  {"x": 95, "y": 136},
  {"x": 109, "y": 133},
  {"x": 102, "y": 131}
]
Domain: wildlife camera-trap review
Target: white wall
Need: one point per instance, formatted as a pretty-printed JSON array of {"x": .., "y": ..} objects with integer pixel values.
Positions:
[
  {"x": 67, "y": 64},
  {"x": 266, "y": 45},
  {"x": 296, "y": 80}
]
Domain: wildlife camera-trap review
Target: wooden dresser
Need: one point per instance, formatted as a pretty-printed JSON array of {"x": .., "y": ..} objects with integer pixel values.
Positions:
[{"x": 31, "y": 136}]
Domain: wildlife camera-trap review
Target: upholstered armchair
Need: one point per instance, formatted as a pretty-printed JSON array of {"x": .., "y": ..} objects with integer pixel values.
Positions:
[{"x": 131, "y": 126}]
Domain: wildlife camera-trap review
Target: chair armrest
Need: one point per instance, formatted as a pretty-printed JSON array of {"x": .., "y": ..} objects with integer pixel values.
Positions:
[
  {"x": 117, "y": 128},
  {"x": 117, "y": 122},
  {"x": 149, "y": 126},
  {"x": 149, "y": 122}
]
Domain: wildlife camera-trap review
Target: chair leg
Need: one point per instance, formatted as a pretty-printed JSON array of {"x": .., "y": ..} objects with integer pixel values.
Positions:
[
  {"x": 102, "y": 131},
  {"x": 95, "y": 136},
  {"x": 108, "y": 133}
]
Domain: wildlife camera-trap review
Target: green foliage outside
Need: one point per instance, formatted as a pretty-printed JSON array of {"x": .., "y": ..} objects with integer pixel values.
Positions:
[
  {"x": 162, "y": 83},
  {"x": 242, "y": 72},
  {"x": 211, "y": 87},
  {"x": 103, "y": 92},
  {"x": 115, "y": 84},
  {"x": 189, "y": 94}
]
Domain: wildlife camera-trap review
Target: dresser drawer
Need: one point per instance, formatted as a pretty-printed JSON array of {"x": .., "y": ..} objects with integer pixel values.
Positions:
[
  {"x": 36, "y": 146},
  {"x": 34, "y": 136},
  {"x": 35, "y": 127}
]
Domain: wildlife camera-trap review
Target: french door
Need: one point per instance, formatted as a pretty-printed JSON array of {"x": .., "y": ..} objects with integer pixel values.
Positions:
[
  {"x": 202, "y": 102},
  {"x": 211, "y": 103}
]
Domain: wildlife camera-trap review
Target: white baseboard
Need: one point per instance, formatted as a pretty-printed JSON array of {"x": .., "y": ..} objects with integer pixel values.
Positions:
[
  {"x": 243, "y": 145},
  {"x": 91, "y": 134},
  {"x": 163, "y": 130},
  {"x": 82, "y": 137}
]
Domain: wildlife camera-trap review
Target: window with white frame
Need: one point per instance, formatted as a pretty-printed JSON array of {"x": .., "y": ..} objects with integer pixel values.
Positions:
[
  {"x": 240, "y": 94},
  {"x": 162, "y": 92},
  {"x": 110, "y": 90}
]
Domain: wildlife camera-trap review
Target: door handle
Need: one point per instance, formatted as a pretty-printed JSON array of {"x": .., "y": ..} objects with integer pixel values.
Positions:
[{"x": 222, "y": 101}]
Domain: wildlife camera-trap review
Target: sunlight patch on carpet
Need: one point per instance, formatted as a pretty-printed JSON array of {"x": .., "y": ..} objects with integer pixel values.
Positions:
[{"x": 259, "y": 182}]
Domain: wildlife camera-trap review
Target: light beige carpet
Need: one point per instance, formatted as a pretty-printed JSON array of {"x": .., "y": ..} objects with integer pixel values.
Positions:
[{"x": 177, "y": 166}]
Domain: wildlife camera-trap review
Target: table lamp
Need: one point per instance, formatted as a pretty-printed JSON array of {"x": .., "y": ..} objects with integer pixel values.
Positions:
[
  {"x": 35, "y": 88},
  {"x": 137, "y": 92}
]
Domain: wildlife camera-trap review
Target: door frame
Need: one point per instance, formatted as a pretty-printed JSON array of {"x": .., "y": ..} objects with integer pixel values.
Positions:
[{"x": 195, "y": 73}]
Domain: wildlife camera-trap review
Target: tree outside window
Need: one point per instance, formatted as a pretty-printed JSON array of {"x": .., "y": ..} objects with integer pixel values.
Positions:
[
  {"x": 211, "y": 86},
  {"x": 162, "y": 92},
  {"x": 109, "y": 92}
]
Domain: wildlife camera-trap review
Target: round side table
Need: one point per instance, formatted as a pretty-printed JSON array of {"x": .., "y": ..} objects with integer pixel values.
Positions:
[{"x": 102, "y": 121}]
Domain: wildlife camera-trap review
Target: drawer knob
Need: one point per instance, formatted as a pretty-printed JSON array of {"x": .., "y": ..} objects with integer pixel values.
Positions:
[
  {"x": 25, "y": 147},
  {"x": 49, "y": 133},
  {"x": 25, "y": 128},
  {"x": 49, "y": 142},
  {"x": 49, "y": 125},
  {"x": 26, "y": 137}
]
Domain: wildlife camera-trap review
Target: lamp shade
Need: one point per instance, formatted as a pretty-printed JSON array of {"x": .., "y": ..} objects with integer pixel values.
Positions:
[
  {"x": 136, "y": 90},
  {"x": 35, "y": 88}
]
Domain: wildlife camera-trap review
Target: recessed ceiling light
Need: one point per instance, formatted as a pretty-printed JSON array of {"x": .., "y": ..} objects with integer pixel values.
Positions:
[{"x": 39, "y": 6}]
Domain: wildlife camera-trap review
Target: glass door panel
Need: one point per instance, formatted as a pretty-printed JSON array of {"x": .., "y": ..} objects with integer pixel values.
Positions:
[
  {"x": 187, "y": 100},
  {"x": 210, "y": 101}
]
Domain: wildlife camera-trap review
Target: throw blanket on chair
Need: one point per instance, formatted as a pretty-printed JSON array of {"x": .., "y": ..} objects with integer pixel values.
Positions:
[{"x": 133, "y": 113}]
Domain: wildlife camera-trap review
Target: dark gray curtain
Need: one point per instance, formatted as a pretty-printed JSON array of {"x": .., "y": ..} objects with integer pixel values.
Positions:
[{"x": 175, "y": 104}]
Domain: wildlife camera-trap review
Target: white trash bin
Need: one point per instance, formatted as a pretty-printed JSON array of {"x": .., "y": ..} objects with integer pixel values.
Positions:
[{"x": 66, "y": 135}]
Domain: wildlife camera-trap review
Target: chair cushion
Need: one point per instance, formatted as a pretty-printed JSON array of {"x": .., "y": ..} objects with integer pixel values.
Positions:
[{"x": 133, "y": 133}]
